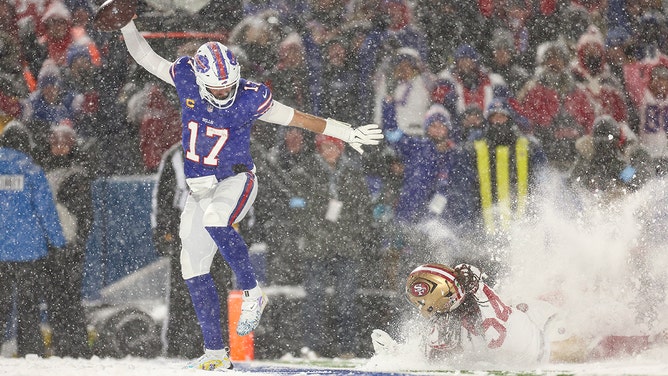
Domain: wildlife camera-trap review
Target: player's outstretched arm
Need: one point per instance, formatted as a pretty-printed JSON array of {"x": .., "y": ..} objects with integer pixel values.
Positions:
[
  {"x": 144, "y": 55},
  {"x": 369, "y": 134}
]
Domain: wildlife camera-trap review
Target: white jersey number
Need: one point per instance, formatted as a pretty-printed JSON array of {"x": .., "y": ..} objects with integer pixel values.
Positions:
[
  {"x": 212, "y": 157},
  {"x": 502, "y": 312}
]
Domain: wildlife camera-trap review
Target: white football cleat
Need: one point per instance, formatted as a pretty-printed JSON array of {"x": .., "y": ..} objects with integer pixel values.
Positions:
[
  {"x": 252, "y": 305},
  {"x": 213, "y": 360}
]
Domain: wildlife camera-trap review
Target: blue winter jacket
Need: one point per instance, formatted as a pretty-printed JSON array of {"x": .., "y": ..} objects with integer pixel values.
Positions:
[
  {"x": 28, "y": 218},
  {"x": 425, "y": 169}
]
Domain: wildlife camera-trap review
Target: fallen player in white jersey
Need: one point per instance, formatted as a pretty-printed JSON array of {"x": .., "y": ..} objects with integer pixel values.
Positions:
[{"x": 466, "y": 318}]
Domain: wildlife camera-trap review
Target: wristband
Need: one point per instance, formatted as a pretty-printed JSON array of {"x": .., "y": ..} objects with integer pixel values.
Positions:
[{"x": 337, "y": 129}]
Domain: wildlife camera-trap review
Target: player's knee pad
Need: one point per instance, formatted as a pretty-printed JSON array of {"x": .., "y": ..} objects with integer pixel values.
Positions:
[
  {"x": 196, "y": 260},
  {"x": 190, "y": 270}
]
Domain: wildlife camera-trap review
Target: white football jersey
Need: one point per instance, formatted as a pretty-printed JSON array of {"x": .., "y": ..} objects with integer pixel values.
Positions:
[{"x": 502, "y": 333}]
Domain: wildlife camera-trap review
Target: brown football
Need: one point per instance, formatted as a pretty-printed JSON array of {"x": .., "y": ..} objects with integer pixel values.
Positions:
[{"x": 114, "y": 14}]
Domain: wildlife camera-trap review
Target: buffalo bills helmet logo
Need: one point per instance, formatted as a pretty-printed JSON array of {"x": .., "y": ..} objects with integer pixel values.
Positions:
[{"x": 202, "y": 63}]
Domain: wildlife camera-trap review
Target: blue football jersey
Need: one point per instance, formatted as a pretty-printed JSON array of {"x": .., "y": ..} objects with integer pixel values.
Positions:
[{"x": 217, "y": 141}]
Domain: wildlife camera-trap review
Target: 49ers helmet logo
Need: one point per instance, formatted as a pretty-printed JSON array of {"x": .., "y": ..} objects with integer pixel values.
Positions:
[{"x": 419, "y": 289}]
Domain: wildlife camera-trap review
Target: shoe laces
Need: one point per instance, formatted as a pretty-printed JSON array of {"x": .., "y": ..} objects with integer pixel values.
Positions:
[{"x": 251, "y": 304}]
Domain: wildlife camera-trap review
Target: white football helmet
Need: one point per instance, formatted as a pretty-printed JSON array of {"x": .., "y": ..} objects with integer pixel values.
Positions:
[{"x": 216, "y": 67}]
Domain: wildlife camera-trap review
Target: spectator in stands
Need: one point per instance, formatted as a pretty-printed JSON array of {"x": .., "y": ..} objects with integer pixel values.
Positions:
[
  {"x": 599, "y": 93},
  {"x": 208, "y": 17},
  {"x": 286, "y": 175},
  {"x": 395, "y": 29},
  {"x": 504, "y": 62},
  {"x": 653, "y": 125},
  {"x": 290, "y": 77},
  {"x": 467, "y": 82},
  {"x": 31, "y": 230},
  {"x": 425, "y": 193},
  {"x": 30, "y": 38},
  {"x": 548, "y": 100},
  {"x": 596, "y": 11},
  {"x": 604, "y": 164},
  {"x": 340, "y": 82},
  {"x": 355, "y": 31},
  {"x": 70, "y": 181},
  {"x": 619, "y": 50},
  {"x": 50, "y": 105},
  {"x": 620, "y": 55},
  {"x": 57, "y": 21},
  {"x": 573, "y": 22},
  {"x": 628, "y": 13},
  {"x": 362, "y": 11},
  {"x": 160, "y": 124},
  {"x": 259, "y": 37},
  {"x": 491, "y": 184},
  {"x": 651, "y": 34},
  {"x": 322, "y": 21},
  {"x": 647, "y": 38},
  {"x": 471, "y": 125},
  {"x": 168, "y": 199},
  {"x": 82, "y": 23},
  {"x": 262, "y": 230},
  {"x": 425, "y": 162},
  {"x": 448, "y": 24},
  {"x": 80, "y": 77},
  {"x": 340, "y": 214},
  {"x": 81, "y": 13},
  {"x": 154, "y": 117},
  {"x": 404, "y": 94},
  {"x": 16, "y": 80},
  {"x": 518, "y": 17}
]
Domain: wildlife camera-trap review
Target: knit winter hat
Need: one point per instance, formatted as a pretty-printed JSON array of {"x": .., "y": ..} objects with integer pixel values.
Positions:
[
  {"x": 57, "y": 11},
  {"x": 77, "y": 50},
  {"x": 437, "y": 113},
  {"x": 49, "y": 74},
  {"x": 16, "y": 136},
  {"x": 497, "y": 106},
  {"x": 467, "y": 51}
]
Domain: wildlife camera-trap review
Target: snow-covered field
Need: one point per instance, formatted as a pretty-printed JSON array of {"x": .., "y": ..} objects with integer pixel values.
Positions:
[{"x": 654, "y": 362}]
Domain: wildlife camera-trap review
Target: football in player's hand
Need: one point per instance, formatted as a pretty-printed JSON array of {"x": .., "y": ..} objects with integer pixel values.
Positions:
[{"x": 114, "y": 14}]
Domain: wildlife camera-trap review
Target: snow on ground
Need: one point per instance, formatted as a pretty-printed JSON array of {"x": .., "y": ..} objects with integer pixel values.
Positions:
[{"x": 653, "y": 362}]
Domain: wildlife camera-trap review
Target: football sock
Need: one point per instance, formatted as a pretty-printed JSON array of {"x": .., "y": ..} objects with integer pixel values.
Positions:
[
  {"x": 205, "y": 299},
  {"x": 235, "y": 251}
]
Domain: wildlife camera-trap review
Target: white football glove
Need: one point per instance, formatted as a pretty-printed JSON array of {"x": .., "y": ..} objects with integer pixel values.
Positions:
[
  {"x": 383, "y": 344},
  {"x": 369, "y": 134}
]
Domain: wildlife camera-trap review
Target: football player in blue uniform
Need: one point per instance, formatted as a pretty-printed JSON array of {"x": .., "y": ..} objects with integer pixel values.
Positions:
[{"x": 218, "y": 110}]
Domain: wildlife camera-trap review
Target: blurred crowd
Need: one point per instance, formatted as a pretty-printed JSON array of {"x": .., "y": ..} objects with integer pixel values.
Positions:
[{"x": 477, "y": 99}]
